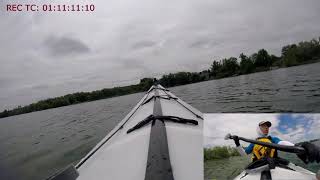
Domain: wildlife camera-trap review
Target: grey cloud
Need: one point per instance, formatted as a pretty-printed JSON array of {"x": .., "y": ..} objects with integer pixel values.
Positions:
[
  {"x": 203, "y": 43},
  {"x": 63, "y": 46},
  {"x": 143, "y": 44},
  {"x": 40, "y": 87},
  {"x": 5, "y": 82},
  {"x": 132, "y": 63}
]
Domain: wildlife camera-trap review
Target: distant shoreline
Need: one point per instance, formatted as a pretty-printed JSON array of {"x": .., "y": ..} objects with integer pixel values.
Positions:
[
  {"x": 305, "y": 52},
  {"x": 271, "y": 69}
]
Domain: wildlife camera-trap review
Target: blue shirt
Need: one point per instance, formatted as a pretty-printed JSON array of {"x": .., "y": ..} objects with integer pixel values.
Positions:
[{"x": 249, "y": 149}]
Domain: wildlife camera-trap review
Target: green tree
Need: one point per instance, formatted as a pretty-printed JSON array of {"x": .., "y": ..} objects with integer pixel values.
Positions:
[
  {"x": 263, "y": 59},
  {"x": 229, "y": 67},
  {"x": 146, "y": 83},
  {"x": 246, "y": 64},
  {"x": 215, "y": 68},
  {"x": 289, "y": 55}
]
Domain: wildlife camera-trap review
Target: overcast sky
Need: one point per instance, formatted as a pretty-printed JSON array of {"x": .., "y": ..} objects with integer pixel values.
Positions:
[
  {"x": 51, "y": 54},
  {"x": 289, "y": 127}
]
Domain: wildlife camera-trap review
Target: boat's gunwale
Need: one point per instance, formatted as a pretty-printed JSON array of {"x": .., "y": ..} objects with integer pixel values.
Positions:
[{"x": 113, "y": 131}]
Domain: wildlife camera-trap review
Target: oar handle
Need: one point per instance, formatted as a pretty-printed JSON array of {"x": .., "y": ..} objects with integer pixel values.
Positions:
[{"x": 290, "y": 149}]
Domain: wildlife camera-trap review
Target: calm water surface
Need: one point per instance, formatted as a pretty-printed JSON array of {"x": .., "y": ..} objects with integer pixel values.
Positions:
[{"x": 35, "y": 145}]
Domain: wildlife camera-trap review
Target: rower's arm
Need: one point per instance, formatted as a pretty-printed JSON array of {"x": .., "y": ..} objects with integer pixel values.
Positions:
[
  {"x": 241, "y": 151},
  {"x": 280, "y": 142},
  {"x": 249, "y": 149},
  {"x": 246, "y": 151},
  {"x": 286, "y": 143}
]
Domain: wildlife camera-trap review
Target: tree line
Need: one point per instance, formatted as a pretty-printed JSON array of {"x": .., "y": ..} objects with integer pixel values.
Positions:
[
  {"x": 79, "y": 97},
  {"x": 291, "y": 55}
]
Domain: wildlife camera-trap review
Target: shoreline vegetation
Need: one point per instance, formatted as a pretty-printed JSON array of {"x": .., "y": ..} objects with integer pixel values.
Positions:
[
  {"x": 219, "y": 152},
  {"x": 304, "y": 52}
]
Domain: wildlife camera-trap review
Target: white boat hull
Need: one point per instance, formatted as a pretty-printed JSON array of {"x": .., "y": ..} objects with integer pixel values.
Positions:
[
  {"x": 124, "y": 156},
  {"x": 294, "y": 173}
]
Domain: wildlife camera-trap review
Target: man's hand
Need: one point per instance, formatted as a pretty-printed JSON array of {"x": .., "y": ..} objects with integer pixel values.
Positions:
[
  {"x": 236, "y": 140},
  {"x": 312, "y": 153}
]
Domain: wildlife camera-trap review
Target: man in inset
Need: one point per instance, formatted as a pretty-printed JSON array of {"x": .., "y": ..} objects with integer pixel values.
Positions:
[{"x": 312, "y": 152}]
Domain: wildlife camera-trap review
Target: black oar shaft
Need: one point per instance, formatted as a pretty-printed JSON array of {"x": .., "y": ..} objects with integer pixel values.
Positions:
[{"x": 290, "y": 149}]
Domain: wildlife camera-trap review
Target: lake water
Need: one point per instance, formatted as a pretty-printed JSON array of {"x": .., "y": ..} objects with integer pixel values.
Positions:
[
  {"x": 35, "y": 145},
  {"x": 295, "y": 89}
]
